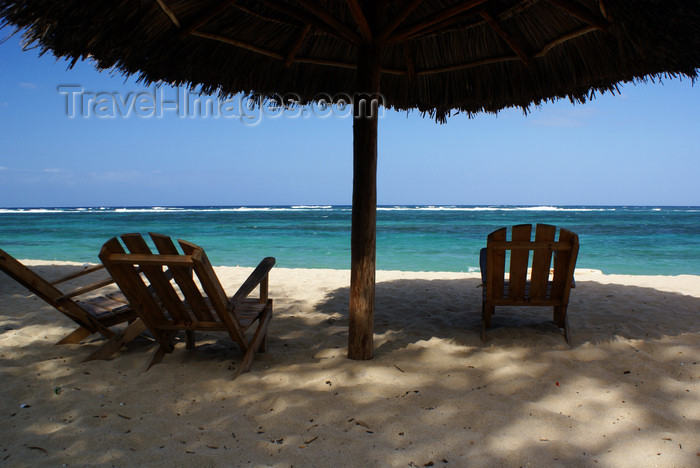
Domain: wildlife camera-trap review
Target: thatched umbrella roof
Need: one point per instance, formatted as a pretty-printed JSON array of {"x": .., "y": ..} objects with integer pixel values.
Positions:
[{"x": 437, "y": 56}]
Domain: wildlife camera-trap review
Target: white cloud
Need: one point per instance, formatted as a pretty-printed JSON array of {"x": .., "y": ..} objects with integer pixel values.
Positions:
[
  {"x": 53, "y": 170},
  {"x": 28, "y": 85},
  {"x": 3, "y": 168}
]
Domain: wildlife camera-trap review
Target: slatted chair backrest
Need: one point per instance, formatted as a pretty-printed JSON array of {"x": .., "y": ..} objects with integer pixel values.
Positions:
[
  {"x": 155, "y": 273},
  {"x": 541, "y": 261},
  {"x": 537, "y": 287},
  {"x": 564, "y": 265},
  {"x": 183, "y": 278},
  {"x": 215, "y": 292},
  {"x": 126, "y": 269},
  {"x": 195, "y": 312},
  {"x": 495, "y": 264}
]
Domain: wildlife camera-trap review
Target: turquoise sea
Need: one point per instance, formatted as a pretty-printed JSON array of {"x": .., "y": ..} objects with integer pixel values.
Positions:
[{"x": 614, "y": 239}]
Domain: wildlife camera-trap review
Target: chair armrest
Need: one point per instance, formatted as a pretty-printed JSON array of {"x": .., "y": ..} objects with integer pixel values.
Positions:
[{"x": 256, "y": 277}]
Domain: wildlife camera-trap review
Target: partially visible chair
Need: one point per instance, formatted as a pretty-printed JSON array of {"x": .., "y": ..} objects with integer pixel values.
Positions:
[
  {"x": 547, "y": 282},
  {"x": 93, "y": 315},
  {"x": 194, "y": 300}
]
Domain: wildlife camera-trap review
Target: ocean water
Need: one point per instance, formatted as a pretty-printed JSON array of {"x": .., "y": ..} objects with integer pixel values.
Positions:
[{"x": 614, "y": 239}]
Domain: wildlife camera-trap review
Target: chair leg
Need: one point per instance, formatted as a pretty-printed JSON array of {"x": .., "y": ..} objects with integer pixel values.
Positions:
[
  {"x": 561, "y": 319},
  {"x": 560, "y": 316},
  {"x": 189, "y": 339},
  {"x": 76, "y": 336},
  {"x": 486, "y": 313},
  {"x": 158, "y": 355},
  {"x": 256, "y": 342},
  {"x": 117, "y": 341}
]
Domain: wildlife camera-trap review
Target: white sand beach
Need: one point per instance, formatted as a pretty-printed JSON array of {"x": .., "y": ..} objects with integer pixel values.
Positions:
[{"x": 626, "y": 393}]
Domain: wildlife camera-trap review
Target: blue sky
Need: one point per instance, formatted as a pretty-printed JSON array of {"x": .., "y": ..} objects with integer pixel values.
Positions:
[{"x": 637, "y": 148}]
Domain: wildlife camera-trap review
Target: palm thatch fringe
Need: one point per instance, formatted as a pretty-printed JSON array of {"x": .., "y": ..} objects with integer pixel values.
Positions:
[{"x": 438, "y": 56}]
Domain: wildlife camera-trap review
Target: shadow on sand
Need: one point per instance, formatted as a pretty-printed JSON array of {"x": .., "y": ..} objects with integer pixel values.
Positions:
[{"x": 434, "y": 394}]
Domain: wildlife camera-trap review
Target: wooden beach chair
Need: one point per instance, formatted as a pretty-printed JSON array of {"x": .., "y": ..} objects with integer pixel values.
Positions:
[
  {"x": 93, "y": 315},
  {"x": 540, "y": 285},
  {"x": 194, "y": 299}
]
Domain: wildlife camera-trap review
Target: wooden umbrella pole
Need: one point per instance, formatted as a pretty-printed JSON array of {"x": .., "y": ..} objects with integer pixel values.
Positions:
[{"x": 364, "y": 204}]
